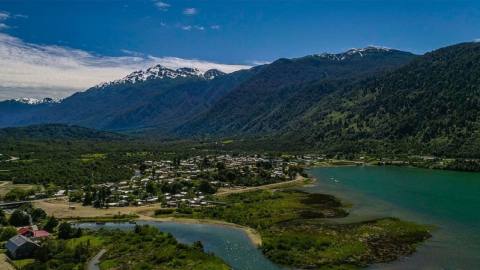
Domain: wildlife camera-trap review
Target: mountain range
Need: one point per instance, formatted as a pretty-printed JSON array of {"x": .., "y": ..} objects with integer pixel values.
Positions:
[{"x": 365, "y": 99}]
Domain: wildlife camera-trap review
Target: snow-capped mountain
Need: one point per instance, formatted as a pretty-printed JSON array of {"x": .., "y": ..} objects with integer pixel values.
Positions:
[
  {"x": 35, "y": 101},
  {"x": 161, "y": 72},
  {"x": 361, "y": 52}
]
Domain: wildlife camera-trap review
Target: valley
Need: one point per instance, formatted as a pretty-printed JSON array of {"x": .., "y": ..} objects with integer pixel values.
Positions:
[{"x": 366, "y": 158}]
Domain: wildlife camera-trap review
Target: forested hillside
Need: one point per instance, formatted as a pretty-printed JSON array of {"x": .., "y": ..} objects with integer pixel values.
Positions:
[
  {"x": 56, "y": 132},
  {"x": 283, "y": 90},
  {"x": 431, "y": 105},
  {"x": 373, "y": 100}
]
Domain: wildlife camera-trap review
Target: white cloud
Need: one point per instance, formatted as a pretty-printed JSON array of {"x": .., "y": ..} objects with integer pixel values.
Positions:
[
  {"x": 191, "y": 27},
  {"x": 3, "y": 26},
  {"x": 215, "y": 27},
  {"x": 22, "y": 16},
  {"x": 476, "y": 40},
  {"x": 31, "y": 70},
  {"x": 190, "y": 11},
  {"x": 4, "y": 15},
  {"x": 162, "y": 5},
  {"x": 259, "y": 62}
]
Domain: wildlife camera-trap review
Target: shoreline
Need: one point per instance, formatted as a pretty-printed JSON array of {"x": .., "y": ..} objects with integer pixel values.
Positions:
[{"x": 252, "y": 234}]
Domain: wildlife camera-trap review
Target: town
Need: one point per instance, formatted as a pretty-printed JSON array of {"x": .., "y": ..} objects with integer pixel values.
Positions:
[
  {"x": 175, "y": 184},
  {"x": 188, "y": 182}
]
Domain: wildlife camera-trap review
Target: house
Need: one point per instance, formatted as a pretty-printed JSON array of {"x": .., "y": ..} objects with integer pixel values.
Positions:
[
  {"x": 40, "y": 234},
  {"x": 33, "y": 233},
  {"x": 60, "y": 193},
  {"x": 20, "y": 247}
]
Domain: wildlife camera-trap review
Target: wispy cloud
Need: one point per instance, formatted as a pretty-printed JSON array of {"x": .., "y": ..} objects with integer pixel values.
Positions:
[
  {"x": 3, "y": 26},
  {"x": 31, "y": 70},
  {"x": 21, "y": 16},
  {"x": 215, "y": 27},
  {"x": 162, "y": 5},
  {"x": 4, "y": 15},
  {"x": 259, "y": 62},
  {"x": 192, "y": 27},
  {"x": 190, "y": 11}
]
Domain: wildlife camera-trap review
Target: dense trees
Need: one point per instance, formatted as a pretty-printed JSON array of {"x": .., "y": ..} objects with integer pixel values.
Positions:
[
  {"x": 19, "y": 218},
  {"x": 50, "y": 224},
  {"x": 7, "y": 232}
]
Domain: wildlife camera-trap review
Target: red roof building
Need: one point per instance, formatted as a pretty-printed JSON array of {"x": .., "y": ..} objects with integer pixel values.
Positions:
[
  {"x": 24, "y": 231},
  {"x": 40, "y": 234}
]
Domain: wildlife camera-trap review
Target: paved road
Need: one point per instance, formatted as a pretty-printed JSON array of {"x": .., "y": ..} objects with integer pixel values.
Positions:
[{"x": 93, "y": 263}]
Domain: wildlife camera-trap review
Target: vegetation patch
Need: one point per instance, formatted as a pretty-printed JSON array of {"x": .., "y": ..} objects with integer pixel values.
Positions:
[
  {"x": 143, "y": 248},
  {"x": 148, "y": 248},
  {"x": 295, "y": 230}
]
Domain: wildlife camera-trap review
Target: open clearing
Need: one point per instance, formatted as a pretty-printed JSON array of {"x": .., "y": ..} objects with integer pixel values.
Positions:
[
  {"x": 61, "y": 208},
  {"x": 6, "y": 186}
]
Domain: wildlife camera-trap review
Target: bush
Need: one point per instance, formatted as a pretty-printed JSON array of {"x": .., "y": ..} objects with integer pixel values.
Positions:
[
  {"x": 19, "y": 218},
  {"x": 65, "y": 231},
  {"x": 7, "y": 233},
  {"x": 38, "y": 214},
  {"x": 50, "y": 224},
  {"x": 164, "y": 211}
]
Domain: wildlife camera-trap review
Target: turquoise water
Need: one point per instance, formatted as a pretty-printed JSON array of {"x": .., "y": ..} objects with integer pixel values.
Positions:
[
  {"x": 449, "y": 200},
  {"x": 230, "y": 244}
]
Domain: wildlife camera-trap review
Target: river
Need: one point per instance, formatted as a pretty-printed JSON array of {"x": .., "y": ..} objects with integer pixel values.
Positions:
[
  {"x": 448, "y": 200},
  {"x": 229, "y": 243}
]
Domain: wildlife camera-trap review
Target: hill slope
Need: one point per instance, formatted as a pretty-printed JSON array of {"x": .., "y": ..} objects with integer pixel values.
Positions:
[
  {"x": 283, "y": 90},
  {"x": 431, "y": 105},
  {"x": 56, "y": 132},
  {"x": 158, "y": 96}
]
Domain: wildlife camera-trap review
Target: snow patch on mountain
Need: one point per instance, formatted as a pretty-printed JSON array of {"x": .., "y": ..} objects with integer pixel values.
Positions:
[
  {"x": 162, "y": 72},
  {"x": 354, "y": 52},
  {"x": 35, "y": 101}
]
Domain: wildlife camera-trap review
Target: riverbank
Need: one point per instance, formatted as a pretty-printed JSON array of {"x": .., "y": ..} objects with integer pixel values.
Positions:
[
  {"x": 252, "y": 234},
  {"x": 295, "y": 231},
  {"x": 427, "y": 162},
  {"x": 62, "y": 209}
]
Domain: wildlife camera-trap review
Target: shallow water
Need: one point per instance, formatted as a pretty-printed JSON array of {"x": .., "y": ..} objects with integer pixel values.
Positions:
[{"x": 449, "y": 200}]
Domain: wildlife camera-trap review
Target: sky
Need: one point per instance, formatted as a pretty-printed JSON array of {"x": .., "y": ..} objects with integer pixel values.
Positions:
[{"x": 55, "y": 48}]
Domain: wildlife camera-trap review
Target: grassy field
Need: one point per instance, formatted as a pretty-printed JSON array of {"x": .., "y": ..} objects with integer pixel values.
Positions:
[
  {"x": 6, "y": 186},
  {"x": 296, "y": 230}
]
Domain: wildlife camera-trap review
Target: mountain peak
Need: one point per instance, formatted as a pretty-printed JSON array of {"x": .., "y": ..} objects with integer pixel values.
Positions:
[
  {"x": 356, "y": 52},
  {"x": 162, "y": 72}
]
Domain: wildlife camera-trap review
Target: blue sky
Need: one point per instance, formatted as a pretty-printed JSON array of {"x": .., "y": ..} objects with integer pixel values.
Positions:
[{"x": 234, "y": 32}]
